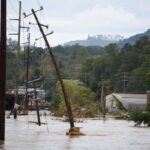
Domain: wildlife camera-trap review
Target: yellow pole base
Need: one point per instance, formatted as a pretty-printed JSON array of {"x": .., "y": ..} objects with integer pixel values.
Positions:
[
  {"x": 23, "y": 112},
  {"x": 74, "y": 131}
]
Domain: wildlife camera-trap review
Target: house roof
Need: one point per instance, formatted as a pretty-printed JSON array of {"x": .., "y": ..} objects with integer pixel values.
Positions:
[
  {"x": 139, "y": 99},
  {"x": 124, "y": 95},
  {"x": 130, "y": 98}
]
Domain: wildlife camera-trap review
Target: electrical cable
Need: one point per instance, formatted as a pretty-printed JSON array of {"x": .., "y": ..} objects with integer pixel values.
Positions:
[
  {"x": 12, "y": 4},
  {"x": 10, "y": 24},
  {"x": 38, "y": 2}
]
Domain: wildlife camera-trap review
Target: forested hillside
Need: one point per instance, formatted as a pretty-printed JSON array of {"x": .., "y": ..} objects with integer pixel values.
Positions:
[
  {"x": 69, "y": 59},
  {"x": 132, "y": 40},
  {"x": 124, "y": 70}
]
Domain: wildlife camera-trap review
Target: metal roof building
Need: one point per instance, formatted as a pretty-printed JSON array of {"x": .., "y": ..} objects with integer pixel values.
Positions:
[{"x": 128, "y": 101}]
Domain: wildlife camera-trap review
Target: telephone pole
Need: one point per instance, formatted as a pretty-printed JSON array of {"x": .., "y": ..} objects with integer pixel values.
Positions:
[
  {"x": 27, "y": 76},
  {"x": 73, "y": 130},
  {"x": 17, "y": 57},
  {"x": 103, "y": 101},
  {"x": 2, "y": 67},
  {"x": 18, "y": 54},
  {"x": 68, "y": 104},
  {"x": 125, "y": 79}
]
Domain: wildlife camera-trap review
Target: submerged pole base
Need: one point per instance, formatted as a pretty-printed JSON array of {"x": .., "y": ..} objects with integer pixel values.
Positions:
[
  {"x": 74, "y": 131},
  {"x": 23, "y": 112},
  {"x": 15, "y": 113}
]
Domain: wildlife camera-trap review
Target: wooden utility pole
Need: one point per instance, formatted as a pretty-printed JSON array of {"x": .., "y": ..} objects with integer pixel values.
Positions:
[
  {"x": 37, "y": 106},
  {"x": 17, "y": 60},
  {"x": 124, "y": 81},
  {"x": 103, "y": 101},
  {"x": 2, "y": 67},
  {"x": 18, "y": 54},
  {"x": 33, "y": 82},
  {"x": 27, "y": 76},
  {"x": 68, "y": 104}
]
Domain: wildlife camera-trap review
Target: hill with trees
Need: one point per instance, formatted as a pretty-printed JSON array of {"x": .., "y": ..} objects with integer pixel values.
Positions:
[
  {"x": 127, "y": 69},
  {"x": 85, "y": 70},
  {"x": 132, "y": 40},
  {"x": 98, "y": 40}
]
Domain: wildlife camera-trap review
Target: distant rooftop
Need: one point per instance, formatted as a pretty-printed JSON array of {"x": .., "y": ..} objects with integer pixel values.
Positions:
[{"x": 124, "y": 95}]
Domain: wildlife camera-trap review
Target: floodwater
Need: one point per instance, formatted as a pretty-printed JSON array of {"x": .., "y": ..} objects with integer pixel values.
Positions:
[{"x": 100, "y": 135}]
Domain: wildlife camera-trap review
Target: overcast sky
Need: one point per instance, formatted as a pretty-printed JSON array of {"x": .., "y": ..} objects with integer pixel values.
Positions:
[{"x": 76, "y": 19}]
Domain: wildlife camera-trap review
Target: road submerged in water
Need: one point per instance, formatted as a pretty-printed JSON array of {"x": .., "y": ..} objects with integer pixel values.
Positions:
[{"x": 100, "y": 135}]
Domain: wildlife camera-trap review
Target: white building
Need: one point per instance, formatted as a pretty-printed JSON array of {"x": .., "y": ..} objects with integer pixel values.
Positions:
[
  {"x": 128, "y": 101},
  {"x": 31, "y": 92}
]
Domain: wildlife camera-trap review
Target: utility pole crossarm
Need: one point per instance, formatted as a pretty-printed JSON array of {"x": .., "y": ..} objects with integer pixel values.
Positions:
[
  {"x": 14, "y": 19},
  {"x": 25, "y": 15},
  {"x": 23, "y": 27},
  {"x": 13, "y": 34},
  {"x": 45, "y": 35},
  {"x": 46, "y": 26}
]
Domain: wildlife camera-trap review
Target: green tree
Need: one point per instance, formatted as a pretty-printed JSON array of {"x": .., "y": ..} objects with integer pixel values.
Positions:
[{"x": 82, "y": 99}]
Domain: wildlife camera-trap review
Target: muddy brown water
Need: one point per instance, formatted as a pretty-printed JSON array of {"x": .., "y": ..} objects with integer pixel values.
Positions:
[{"x": 100, "y": 135}]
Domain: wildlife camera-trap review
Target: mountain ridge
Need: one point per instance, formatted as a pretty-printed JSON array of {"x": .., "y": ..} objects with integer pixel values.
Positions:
[
  {"x": 98, "y": 40},
  {"x": 104, "y": 40},
  {"x": 132, "y": 39}
]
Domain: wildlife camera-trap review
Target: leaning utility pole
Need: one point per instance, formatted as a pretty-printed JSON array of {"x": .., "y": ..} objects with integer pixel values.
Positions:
[
  {"x": 2, "y": 67},
  {"x": 68, "y": 104},
  {"x": 73, "y": 130}
]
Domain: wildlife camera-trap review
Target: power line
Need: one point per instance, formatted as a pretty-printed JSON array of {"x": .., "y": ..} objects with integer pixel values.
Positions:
[
  {"x": 12, "y": 27},
  {"x": 15, "y": 10},
  {"x": 38, "y": 2},
  {"x": 22, "y": 21}
]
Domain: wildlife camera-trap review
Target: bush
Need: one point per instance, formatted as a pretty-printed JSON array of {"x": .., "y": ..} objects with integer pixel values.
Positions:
[
  {"x": 140, "y": 117},
  {"x": 82, "y": 100}
]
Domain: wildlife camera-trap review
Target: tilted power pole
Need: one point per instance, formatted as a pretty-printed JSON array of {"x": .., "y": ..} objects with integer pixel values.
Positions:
[
  {"x": 73, "y": 130},
  {"x": 68, "y": 105}
]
